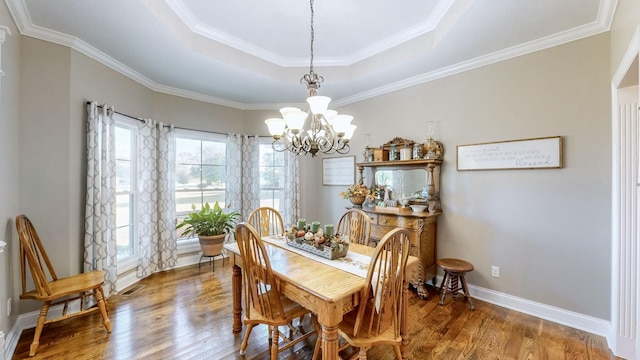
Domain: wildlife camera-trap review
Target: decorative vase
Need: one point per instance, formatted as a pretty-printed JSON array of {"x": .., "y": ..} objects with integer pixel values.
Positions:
[
  {"x": 212, "y": 245},
  {"x": 357, "y": 201}
]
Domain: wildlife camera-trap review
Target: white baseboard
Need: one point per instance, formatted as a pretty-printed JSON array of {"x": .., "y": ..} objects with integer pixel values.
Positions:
[
  {"x": 568, "y": 318},
  {"x": 557, "y": 315}
]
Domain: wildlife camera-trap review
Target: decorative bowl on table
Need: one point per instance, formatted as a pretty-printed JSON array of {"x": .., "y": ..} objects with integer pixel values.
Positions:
[
  {"x": 418, "y": 208},
  {"x": 317, "y": 242}
]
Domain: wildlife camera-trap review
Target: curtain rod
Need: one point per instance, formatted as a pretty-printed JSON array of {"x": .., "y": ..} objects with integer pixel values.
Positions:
[{"x": 175, "y": 127}]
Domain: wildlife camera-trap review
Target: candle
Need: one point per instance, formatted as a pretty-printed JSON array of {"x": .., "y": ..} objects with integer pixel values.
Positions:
[
  {"x": 328, "y": 230},
  {"x": 315, "y": 226},
  {"x": 302, "y": 222}
]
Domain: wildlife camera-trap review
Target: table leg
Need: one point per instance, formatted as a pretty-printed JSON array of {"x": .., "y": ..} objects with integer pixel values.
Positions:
[
  {"x": 329, "y": 317},
  {"x": 236, "y": 292},
  {"x": 329, "y": 342},
  {"x": 403, "y": 323}
]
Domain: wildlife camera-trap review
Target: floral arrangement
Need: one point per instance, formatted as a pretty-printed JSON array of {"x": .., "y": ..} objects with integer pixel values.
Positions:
[
  {"x": 357, "y": 190},
  {"x": 317, "y": 239}
]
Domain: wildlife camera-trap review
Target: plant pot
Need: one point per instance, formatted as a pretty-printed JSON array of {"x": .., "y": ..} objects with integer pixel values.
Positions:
[
  {"x": 357, "y": 201},
  {"x": 211, "y": 245}
]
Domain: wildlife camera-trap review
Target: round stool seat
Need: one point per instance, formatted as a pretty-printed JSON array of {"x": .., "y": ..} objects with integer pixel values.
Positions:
[
  {"x": 454, "y": 271},
  {"x": 455, "y": 265}
]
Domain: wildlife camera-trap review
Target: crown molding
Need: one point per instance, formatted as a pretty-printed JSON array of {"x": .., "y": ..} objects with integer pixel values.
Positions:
[
  {"x": 495, "y": 57},
  {"x": 195, "y": 26},
  {"x": 18, "y": 11}
]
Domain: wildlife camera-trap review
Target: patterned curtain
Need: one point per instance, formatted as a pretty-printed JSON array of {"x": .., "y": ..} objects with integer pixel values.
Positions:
[
  {"x": 100, "y": 211},
  {"x": 243, "y": 163},
  {"x": 233, "y": 189},
  {"x": 157, "y": 246},
  {"x": 250, "y": 174},
  {"x": 291, "y": 207}
]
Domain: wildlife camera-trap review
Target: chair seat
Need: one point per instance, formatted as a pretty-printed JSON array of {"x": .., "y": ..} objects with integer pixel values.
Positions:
[
  {"x": 292, "y": 310},
  {"x": 69, "y": 286},
  {"x": 346, "y": 330}
]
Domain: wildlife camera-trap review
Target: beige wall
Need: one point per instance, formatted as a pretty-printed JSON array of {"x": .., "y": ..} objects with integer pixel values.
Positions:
[
  {"x": 9, "y": 165},
  {"x": 547, "y": 230}
]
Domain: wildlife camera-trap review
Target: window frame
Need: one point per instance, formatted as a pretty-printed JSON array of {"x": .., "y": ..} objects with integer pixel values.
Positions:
[
  {"x": 130, "y": 262},
  {"x": 268, "y": 141},
  {"x": 191, "y": 244}
]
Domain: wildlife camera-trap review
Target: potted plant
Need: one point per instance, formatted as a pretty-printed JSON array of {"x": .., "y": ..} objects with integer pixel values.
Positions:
[{"x": 211, "y": 225}]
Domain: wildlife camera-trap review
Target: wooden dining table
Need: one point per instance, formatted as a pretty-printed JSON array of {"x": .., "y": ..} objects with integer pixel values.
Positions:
[{"x": 326, "y": 291}]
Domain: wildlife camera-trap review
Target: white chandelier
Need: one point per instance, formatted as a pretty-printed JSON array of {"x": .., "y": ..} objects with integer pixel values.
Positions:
[{"x": 328, "y": 132}]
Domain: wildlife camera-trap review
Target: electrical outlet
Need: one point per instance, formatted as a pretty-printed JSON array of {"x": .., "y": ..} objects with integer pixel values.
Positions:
[
  {"x": 9, "y": 307},
  {"x": 495, "y": 271}
]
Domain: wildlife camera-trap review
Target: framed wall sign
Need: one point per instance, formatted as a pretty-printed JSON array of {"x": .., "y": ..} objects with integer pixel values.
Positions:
[
  {"x": 539, "y": 153},
  {"x": 339, "y": 170}
]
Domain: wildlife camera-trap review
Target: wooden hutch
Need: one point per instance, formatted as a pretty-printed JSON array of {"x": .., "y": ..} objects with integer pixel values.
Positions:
[{"x": 421, "y": 225}]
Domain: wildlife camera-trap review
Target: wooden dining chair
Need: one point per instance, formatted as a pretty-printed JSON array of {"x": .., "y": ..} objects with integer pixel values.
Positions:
[
  {"x": 357, "y": 225},
  {"x": 267, "y": 221},
  {"x": 264, "y": 304},
  {"x": 52, "y": 290},
  {"x": 377, "y": 319}
]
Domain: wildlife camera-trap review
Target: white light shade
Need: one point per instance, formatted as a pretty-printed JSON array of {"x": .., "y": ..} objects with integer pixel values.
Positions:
[
  {"x": 276, "y": 126},
  {"x": 318, "y": 104},
  {"x": 340, "y": 122},
  {"x": 330, "y": 114},
  {"x": 348, "y": 133},
  {"x": 294, "y": 118}
]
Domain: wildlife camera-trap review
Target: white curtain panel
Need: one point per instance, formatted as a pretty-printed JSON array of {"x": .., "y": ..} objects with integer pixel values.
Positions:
[
  {"x": 291, "y": 207},
  {"x": 156, "y": 208},
  {"x": 250, "y": 174},
  {"x": 100, "y": 211},
  {"x": 233, "y": 189},
  {"x": 243, "y": 174}
]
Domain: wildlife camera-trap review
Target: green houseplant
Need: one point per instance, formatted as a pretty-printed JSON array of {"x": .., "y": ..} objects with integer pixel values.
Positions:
[{"x": 211, "y": 225}]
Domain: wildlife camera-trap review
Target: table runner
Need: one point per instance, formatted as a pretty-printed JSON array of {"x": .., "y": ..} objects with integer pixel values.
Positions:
[{"x": 354, "y": 263}]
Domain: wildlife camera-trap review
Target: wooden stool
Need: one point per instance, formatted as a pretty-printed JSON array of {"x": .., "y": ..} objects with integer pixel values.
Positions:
[{"x": 454, "y": 270}]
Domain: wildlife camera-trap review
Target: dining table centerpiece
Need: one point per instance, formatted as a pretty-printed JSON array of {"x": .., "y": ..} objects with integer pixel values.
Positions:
[
  {"x": 357, "y": 194},
  {"x": 314, "y": 239}
]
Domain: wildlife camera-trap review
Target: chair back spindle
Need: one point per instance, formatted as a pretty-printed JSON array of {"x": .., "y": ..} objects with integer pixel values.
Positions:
[
  {"x": 356, "y": 224},
  {"x": 266, "y": 221}
]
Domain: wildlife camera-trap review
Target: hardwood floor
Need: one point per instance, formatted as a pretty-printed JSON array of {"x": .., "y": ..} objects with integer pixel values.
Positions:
[{"x": 186, "y": 314}]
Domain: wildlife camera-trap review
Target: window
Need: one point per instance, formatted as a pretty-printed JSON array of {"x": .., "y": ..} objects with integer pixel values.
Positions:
[
  {"x": 272, "y": 170},
  {"x": 200, "y": 170},
  {"x": 125, "y": 149}
]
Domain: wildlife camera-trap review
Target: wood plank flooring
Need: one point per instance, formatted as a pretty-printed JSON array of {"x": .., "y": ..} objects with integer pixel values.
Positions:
[{"x": 186, "y": 314}]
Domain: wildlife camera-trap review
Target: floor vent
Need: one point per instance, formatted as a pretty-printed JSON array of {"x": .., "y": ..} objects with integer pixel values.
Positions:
[{"x": 132, "y": 290}]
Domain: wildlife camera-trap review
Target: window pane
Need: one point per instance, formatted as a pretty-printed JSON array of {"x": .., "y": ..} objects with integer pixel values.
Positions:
[
  {"x": 272, "y": 172},
  {"x": 213, "y": 177},
  {"x": 123, "y": 143},
  {"x": 124, "y": 244},
  {"x": 124, "y": 235},
  {"x": 123, "y": 175},
  {"x": 184, "y": 200},
  {"x": 200, "y": 171},
  {"x": 188, "y": 151},
  {"x": 212, "y": 196},
  {"x": 213, "y": 153}
]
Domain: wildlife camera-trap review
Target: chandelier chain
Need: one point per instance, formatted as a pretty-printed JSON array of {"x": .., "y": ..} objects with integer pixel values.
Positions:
[{"x": 312, "y": 38}]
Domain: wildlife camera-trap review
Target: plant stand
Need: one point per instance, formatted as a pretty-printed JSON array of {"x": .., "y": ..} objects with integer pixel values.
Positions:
[{"x": 211, "y": 260}]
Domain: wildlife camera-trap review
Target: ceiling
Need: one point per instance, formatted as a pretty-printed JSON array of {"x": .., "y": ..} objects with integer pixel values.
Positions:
[{"x": 250, "y": 54}]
